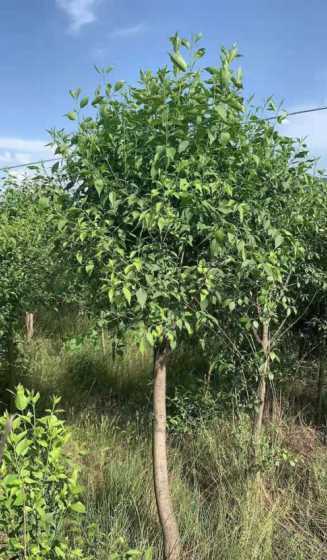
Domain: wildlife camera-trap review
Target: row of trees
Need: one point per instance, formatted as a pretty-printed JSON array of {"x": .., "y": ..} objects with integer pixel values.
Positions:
[{"x": 178, "y": 213}]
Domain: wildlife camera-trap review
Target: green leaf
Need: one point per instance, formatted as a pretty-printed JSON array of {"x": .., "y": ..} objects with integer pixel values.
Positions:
[
  {"x": 221, "y": 110},
  {"x": 97, "y": 100},
  {"x": 89, "y": 268},
  {"x": 141, "y": 297},
  {"x": 78, "y": 507},
  {"x": 79, "y": 257},
  {"x": 11, "y": 480},
  {"x": 271, "y": 106},
  {"x": 21, "y": 400},
  {"x": 278, "y": 240},
  {"x": 22, "y": 447},
  {"x": 186, "y": 43},
  {"x": 127, "y": 294},
  {"x": 225, "y": 138},
  {"x": 44, "y": 202},
  {"x": 75, "y": 93},
  {"x": 178, "y": 61},
  {"x": 72, "y": 115},
  {"x": 226, "y": 75},
  {"x": 99, "y": 184},
  {"x": 200, "y": 53},
  {"x": 55, "y": 167},
  {"x": 62, "y": 222},
  {"x": 119, "y": 85},
  {"x": 183, "y": 145},
  {"x": 84, "y": 102}
]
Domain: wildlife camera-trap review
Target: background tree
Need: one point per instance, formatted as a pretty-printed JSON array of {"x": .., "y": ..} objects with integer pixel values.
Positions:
[{"x": 29, "y": 267}]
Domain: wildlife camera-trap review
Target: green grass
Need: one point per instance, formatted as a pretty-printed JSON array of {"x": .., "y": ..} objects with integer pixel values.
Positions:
[{"x": 224, "y": 512}]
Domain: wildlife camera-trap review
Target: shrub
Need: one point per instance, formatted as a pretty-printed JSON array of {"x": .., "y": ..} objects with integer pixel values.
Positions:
[{"x": 39, "y": 489}]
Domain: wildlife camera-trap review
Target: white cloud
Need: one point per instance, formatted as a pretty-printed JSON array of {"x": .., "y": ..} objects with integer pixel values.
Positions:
[
  {"x": 17, "y": 151},
  {"x": 312, "y": 127},
  {"x": 80, "y": 12},
  {"x": 22, "y": 145},
  {"x": 128, "y": 31}
]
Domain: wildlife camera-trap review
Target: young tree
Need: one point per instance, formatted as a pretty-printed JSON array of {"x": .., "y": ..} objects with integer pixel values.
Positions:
[
  {"x": 281, "y": 225},
  {"x": 149, "y": 177}
]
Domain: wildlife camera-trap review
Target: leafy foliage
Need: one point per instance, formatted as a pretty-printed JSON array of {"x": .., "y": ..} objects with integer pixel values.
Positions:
[
  {"x": 39, "y": 489},
  {"x": 26, "y": 243},
  {"x": 186, "y": 207}
]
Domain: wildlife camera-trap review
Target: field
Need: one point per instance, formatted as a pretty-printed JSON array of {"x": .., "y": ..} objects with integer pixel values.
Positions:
[{"x": 222, "y": 511}]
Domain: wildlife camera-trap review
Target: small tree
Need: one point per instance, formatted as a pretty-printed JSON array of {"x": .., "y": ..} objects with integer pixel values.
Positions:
[
  {"x": 149, "y": 177},
  {"x": 275, "y": 257}
]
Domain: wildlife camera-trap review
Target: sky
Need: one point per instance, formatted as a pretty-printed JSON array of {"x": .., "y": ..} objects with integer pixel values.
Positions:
[{"x": 51, "y": 46}]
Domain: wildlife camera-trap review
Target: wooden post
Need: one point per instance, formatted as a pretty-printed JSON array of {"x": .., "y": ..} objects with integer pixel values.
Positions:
[{"x": 29, "y": 325}]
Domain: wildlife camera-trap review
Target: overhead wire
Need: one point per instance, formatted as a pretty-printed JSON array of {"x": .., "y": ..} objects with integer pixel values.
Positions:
[{"x": 275, "y": 117}]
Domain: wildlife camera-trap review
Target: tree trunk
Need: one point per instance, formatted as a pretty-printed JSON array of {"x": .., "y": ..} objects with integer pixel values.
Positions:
[
  {"x": 103, "y": 341},
  {"x": 29, "y": 324},
  {"x": 262, "y": 389},
  {"x": 259, "y": 415},
  {"x": 167, "y": 518},
  {"x": 321, "y": 383}
]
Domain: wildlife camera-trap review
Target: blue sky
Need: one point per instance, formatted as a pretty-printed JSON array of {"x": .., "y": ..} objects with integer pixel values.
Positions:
[{"x": 50, "y": 46}]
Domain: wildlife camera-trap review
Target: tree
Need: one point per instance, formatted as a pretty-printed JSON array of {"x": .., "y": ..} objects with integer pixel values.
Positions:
[
  {"x": 28, "y": 262},
  {"x": 149, "y": 175},
  {"x": 282, "y": 222}
]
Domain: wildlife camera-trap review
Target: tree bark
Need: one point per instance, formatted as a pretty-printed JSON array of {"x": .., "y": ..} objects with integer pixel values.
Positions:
[
  {"x": 171, "y": 538},
  {"x": 262, "y": 389}
]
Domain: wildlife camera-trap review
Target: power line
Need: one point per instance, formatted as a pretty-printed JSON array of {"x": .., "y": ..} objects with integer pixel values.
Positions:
[
  {"x": 314, "y": 110},
  {"x": 28, "y": 164}
]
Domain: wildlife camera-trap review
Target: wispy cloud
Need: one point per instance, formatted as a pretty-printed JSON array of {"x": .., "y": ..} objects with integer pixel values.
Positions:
[
  {"x": 22, "y": 145},
  {"x": 128, "y": 31},
  {"x": 17, "y": 151},
  {"x": 80, "y": 12},
  {"x": 312, "y": 127}
]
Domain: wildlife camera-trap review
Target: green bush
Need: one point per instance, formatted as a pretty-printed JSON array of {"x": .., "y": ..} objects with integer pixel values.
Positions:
[{"x": 39, "y": 490}]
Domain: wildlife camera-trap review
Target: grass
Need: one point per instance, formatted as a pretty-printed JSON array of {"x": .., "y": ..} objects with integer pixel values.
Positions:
[{"x": 223, "y": 511}]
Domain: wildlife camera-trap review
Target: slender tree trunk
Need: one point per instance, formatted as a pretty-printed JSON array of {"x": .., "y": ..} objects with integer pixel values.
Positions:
[
  {"x": 321, "y": 383},
  {"x": 209, "y": 376},
  {"x": 103, "y": 341},
  {"x": 259, "y": 415},
  {"x": 167, "y": 518},
  {"x": 29, "y": 324},
  {"x": 262, "y": 388}
]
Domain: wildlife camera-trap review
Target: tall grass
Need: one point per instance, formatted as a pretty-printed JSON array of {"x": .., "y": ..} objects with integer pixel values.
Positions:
[{"x": 222, "y": 510}]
